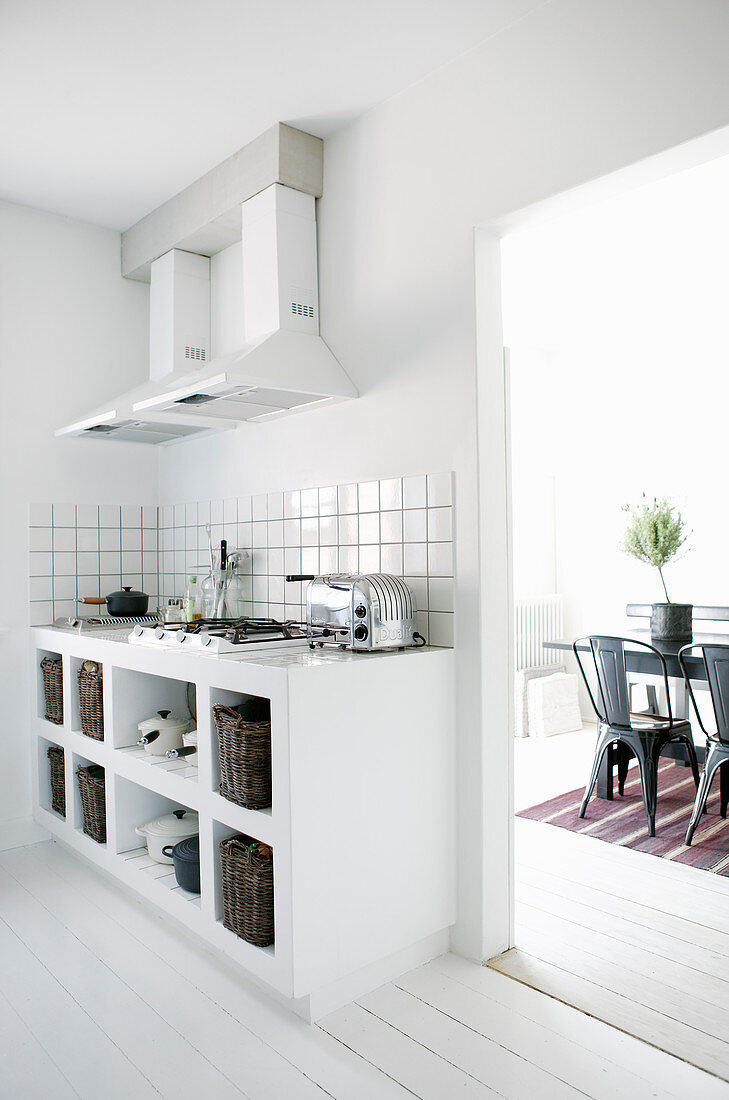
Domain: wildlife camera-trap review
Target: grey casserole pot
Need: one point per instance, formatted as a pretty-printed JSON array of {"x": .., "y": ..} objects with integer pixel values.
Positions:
[{"x": 186, "y": 857}]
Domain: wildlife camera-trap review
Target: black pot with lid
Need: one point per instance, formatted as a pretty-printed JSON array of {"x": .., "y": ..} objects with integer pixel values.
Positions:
[
  {"x": 127, "y": 602},
  {"x": 186, "y": 858}
]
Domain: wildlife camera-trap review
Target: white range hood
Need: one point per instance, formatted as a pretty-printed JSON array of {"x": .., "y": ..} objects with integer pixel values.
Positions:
[{"x": 280, "y": 363}]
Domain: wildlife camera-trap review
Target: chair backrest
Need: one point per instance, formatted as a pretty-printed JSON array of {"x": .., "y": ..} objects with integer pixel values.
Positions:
[
  {"x": 716, "y": 665},
  {"x": 609, "y": 658}
]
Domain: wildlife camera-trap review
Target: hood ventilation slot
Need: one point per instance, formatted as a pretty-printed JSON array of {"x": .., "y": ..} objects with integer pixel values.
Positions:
[
  {"x": 302, "y": 302},
  {"x": 198, "y": 354},
  {"x": 197, "y": 399}
]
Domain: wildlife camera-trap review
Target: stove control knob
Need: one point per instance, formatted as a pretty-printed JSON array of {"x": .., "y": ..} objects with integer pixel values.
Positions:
[
  {"x": 360, "y": 611},
  {"x": 361, "y": 632}
]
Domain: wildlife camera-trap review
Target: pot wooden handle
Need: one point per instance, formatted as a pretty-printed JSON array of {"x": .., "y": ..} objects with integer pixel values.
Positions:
[{"x": 95, "y": 599}]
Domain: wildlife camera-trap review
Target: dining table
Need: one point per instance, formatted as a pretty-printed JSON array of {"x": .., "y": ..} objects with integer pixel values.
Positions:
[{"x": 644, "y": 666}]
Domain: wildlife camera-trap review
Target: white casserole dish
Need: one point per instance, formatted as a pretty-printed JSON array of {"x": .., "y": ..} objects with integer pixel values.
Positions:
[
  {"x": 166, "y": 831},
  {"x": 162, "y": 732}
]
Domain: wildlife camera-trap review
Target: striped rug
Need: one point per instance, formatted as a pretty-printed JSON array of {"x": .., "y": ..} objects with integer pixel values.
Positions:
[{"x": 623, "y": 820}]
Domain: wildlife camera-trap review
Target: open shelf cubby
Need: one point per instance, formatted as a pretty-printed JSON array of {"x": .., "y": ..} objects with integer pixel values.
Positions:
[
  {"x": 76, "y": 664},
  {"x": 45, "y": 792},
  {"x": 230, "y": 699},
  {"x": 77, "y": 812},
  {"x": 141, "y": 695},
  {"x": 222, "y": 832},
  {"x": 134, "y": 806},
  {"x": 41, "y": 706}
]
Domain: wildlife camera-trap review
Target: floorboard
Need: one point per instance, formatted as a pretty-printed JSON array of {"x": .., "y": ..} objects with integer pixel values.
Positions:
[
  {"x": 638, "y": 942},
  {"x": 102, "y": 995}
]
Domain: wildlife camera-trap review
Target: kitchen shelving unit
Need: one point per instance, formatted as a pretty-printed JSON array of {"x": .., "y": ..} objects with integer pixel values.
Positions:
[{"x": 361, "y": 822}]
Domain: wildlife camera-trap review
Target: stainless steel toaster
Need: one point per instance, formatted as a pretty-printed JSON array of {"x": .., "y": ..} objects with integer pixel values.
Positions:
[{"x": 361, "y": 612}]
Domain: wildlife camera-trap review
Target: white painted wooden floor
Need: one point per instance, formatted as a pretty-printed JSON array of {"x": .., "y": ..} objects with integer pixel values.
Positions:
[
  {"x": 639, "y": 942},
  {"x": 101, "y": 997}
]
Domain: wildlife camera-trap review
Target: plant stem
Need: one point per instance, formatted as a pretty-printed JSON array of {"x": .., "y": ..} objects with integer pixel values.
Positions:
[{"x": 660, "y": 574}]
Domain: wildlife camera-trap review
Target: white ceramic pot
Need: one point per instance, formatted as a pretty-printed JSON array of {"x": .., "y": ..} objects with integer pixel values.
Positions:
[
  {"x": 163, "y": 732},
  {"x": 166, "y": 831}
]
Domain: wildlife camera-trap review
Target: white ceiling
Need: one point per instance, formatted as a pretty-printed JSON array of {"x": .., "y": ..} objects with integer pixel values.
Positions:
[{"x": 111, "y": 107}]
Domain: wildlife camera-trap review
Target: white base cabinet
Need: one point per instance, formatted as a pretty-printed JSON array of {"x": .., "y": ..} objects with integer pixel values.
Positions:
[{"x": 362, "y": 816}]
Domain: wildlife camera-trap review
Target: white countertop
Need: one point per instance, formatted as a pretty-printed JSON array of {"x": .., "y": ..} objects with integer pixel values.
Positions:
[{"x": 295, "y": 655}]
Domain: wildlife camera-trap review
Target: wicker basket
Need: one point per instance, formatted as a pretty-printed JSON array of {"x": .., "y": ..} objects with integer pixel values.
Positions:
[
  {"x": 91, "y": 702},
  {"x": 53, "y": 686},
  {"x": 245, "y": 758},
  {"x": 247, "y": 871},
  {"x": 58, "y": 779},
  {"x": 93, "y": 801}
]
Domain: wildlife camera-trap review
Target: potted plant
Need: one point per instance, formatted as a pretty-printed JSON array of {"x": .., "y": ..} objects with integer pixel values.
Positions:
[{"x": 655, "y": 534}]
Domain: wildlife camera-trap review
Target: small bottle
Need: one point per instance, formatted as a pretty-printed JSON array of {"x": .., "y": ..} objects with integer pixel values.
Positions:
[{"x": 193, "y": 599}]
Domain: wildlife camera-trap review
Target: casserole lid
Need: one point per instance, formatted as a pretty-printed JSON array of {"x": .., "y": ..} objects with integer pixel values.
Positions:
[
  {"x": 127, "y": 594},
  {"x": 180, "y": 823},
  {"x": 163, "y": 720},
  {"x": 188, "y": 850}
]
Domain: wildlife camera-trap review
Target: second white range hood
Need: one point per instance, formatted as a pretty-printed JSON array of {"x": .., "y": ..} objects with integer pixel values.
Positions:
[{"x": 279, "y": 365}]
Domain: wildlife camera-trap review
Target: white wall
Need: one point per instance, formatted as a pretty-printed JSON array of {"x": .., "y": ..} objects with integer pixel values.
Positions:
[
  {"x": 575, "y": 90},
  {"x": 71, "y": 332},
  {"x": 616, "y": 316}
]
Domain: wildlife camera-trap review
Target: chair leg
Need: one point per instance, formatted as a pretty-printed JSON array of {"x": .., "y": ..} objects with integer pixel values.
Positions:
[
  {"x": 601, "y": 748},
  {"x": 648, "y": 764},
  {"x": 623, "y": 762},
  {"x": 692, "y": 759},
  {"x": 724, "y": 787},
  {"x": 702, "y": 795}
]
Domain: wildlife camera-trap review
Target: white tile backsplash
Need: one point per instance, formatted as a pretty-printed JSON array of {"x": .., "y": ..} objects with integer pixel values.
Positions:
[
  {"x": 87, "y": 515},
  {"x": 292, "y": 504},
  {"x": 414, "y": 494},
  {"x": 415, "y": 525},
  {"x": 440, "y": 525},
  {"x": 328, "y": 501},
  {"x": 82, "y": 554},
  {"x": 398, "y": 525},
  {"x": 64, "y": 515},
  {"x": 368, "y": 493},
  {"x": 347, "y": 497},
  {"x": 275, "y": 506},
  {"x": 41, "y": 515}
]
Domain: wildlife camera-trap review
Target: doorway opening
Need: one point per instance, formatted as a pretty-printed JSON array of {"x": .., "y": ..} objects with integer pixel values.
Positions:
[{"x": 614, "y": 317}]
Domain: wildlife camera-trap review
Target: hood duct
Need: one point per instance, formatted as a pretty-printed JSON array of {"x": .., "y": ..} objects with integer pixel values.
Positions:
[{"x": 270, "y": 361}]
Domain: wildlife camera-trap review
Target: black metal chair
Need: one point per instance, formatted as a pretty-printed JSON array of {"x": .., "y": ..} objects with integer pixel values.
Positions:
[
  {"x": 642, "y": 735},
  {"x": 716, "y": 665}
]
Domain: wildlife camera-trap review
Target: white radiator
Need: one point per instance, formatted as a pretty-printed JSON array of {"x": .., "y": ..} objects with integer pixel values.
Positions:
[{"x": 535, "y": 622}]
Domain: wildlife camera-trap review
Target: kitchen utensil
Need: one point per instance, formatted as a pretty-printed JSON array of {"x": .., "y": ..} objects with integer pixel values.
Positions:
[
  {"x": 167, "y": 830},
  {"x": 186, "y": 859},
  {"x": 221, "y": 581},
  {"x": 162, "y": 732},
  {"x": 187, "y": 751},
  {"x": 190, "y": 741},
  {"x": 210, "y": 547},
  {"x": 126, "y": 602},
  {"x": 360, "y": 612}
]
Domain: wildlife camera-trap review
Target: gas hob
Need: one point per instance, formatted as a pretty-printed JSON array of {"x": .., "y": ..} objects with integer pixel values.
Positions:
[{"x": 221, "y": 638}]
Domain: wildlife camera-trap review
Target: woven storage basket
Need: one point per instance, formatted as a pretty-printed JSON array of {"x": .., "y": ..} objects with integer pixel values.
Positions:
[
  {"x": 247, "y": 872},
  {"x": 93, "y": 801},
  {"x": 58, "y": 779},
  {"x": 91, "y": 703},
  {"x": 245, "y": 758},
  {"x": 53, "y": 687}
]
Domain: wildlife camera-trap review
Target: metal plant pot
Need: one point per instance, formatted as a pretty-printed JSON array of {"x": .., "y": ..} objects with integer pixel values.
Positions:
[{"x": 671, "y": 622}]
